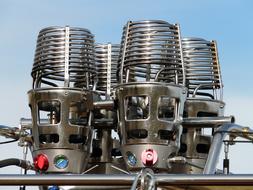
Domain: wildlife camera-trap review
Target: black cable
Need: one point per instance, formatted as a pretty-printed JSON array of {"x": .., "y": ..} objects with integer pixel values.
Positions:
[
  {"x": 14, "y": 162},
  {"x": 226, "y": 166},
  {"x": 11, "y": 141}
]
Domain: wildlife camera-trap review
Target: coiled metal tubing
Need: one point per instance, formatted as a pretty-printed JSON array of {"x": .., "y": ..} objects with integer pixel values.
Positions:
[
  {"x": 151, "y": 51},
  {"x": 64, "y": 54},
  {"x": 202, "y": 67},
  {"x": 106, "y": 58}
]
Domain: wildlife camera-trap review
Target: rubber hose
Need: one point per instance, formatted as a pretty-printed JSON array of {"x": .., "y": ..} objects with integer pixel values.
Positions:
[{"x": 13, "y": 162}]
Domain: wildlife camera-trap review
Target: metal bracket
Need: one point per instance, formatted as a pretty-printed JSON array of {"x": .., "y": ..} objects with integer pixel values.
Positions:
[
  {"x": 147, "y": 179},
  {"x": 109, "y": 69},
  {"x": 66, "y": 74}
]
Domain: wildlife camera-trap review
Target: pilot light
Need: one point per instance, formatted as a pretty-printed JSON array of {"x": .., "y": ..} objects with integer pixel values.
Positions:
[{"x": 149, "y": 157}]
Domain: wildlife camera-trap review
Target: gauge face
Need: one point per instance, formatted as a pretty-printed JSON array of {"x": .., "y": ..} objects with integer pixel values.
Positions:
[
  {"x": 61, "y": 161},
  {"x": 131, "y": 159},
  {"x": 53, "y": 188}
]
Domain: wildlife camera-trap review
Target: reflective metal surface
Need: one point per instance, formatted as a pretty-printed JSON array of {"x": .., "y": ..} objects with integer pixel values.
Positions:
[
  {"x": 145, "y": 114},
  {"x": 61, "y": 101},
  {"x": 106, "y": 57},
  {"x": 202, "y": 67},
  {"x": 219, "y": 136},
  {"x": 105, "y": 157},
  {"x": 145, "y": 124},
  {"x": 170, "y": 180},
  {"x": 151, "y": 51},
  {"x": 66, "y": 131},
  {"x": 64, "y": 54},
  {"x": 203, "y": 80}
]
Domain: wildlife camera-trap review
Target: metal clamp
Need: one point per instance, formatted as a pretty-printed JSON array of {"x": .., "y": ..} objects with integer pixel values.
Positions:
[{"x": 146, "y": 178}]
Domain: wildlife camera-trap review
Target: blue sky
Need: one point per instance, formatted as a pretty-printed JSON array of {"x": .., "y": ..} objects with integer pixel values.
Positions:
[{"x": 227, "y": 21}]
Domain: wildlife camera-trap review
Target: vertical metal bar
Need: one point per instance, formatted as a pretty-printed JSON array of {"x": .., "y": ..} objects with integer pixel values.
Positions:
[
  {"x": 214, "y": 153},
  {"x": 215, "y": 148},
  {"x": 216, "y": 61},
  {"x": 24, "y": 171},
  {"x": 109, "y": 69},
  {"x": 66, "y": 72},
  {"x": 148, "y": 72},
  {"x": 181, "y": 52},
  {"x": 226, "y": 160},
  {"x": 124, "y": 53}
]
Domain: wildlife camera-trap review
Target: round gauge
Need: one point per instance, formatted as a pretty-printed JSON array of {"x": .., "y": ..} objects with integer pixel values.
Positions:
[
  {"x": 61, "y": 161},
  {"x": 53, "y": 188},
  {"x": 131, "y": 159}
]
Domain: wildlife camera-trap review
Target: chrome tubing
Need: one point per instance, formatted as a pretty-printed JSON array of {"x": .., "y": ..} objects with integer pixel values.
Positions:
[
  {"x": 151, "y": 52},
  {"x": 219, "y": 136},
  {"x": 107, "y": 104},
  {"x": 10, "y": 132},
  {"x": 127, "y": 180},
  {"x": 64, "y": 55},
  {"x": 106, "y": 58},
  {"x": 202, "y": 67},
  {"x": 207, "y": 122},
  {"x": 26, "y": 123}
]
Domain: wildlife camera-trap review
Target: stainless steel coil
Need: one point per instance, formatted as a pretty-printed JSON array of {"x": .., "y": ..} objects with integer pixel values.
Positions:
[
  {"x": 151, "y": 51},
  {"x": 106, "y": 58},
  {"x": 64, "y": 54},
  {"x": 203, "y": 76}
]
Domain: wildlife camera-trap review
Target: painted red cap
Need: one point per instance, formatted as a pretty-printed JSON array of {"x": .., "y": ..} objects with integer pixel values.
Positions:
[
  {"x": 149, "y": 157},
  {"x": 41, "y": 162}
]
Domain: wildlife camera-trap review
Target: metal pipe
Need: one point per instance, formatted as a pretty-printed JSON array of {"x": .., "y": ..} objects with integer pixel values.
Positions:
[
  {"x": 107, "y": 104},
  {"x": 9, "y": 132},
  {"x": 216, "y": 145},
  {"x": 208, "y": 180},
  {"x": 26, "y": 123},
  {"x": 97, "y": 180},
  {"x": 127, "y": 180},
  {"x": 207, "y": 122}
]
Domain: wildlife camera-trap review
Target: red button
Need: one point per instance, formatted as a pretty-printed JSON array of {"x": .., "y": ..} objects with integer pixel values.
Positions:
[{"x": 41, "y": 162}]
